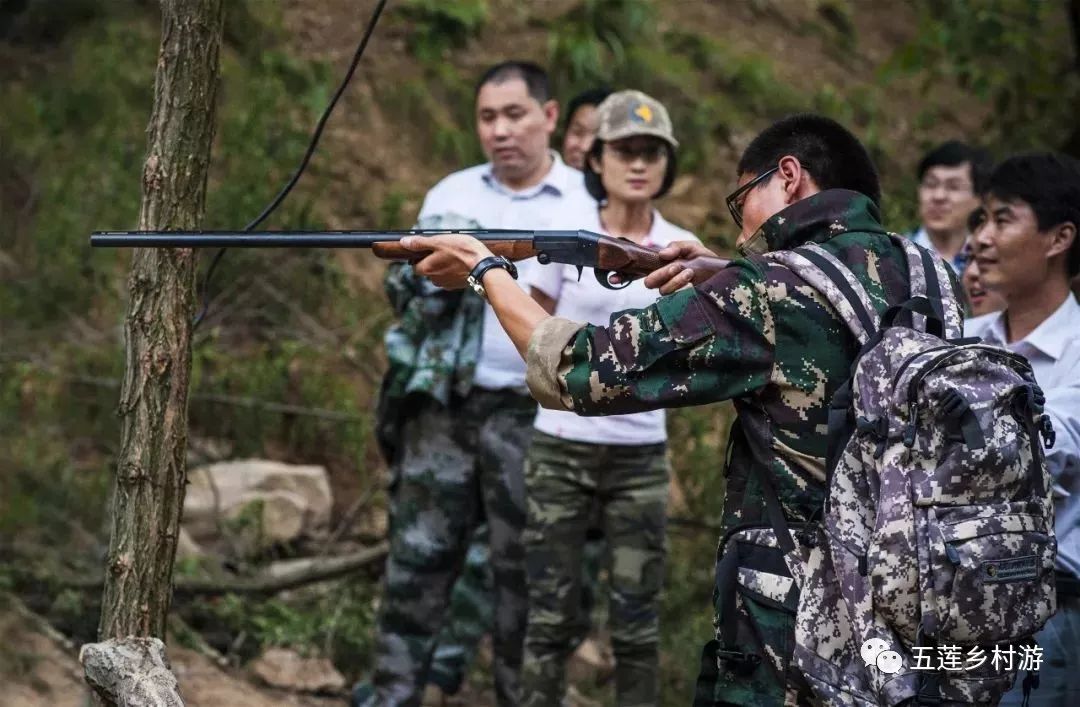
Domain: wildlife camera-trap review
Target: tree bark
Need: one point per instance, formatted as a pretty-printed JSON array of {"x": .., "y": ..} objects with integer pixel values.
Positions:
[{"x": 148, "y": 493}]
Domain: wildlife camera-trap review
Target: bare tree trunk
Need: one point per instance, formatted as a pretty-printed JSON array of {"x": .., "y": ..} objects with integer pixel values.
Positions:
[{"x": 149, "y": 492}]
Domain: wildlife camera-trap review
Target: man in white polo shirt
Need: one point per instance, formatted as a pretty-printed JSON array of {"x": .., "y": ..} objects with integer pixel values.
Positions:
[
  {"x": 455, "y": 416},
  {"x": 1027, "y": 250}
]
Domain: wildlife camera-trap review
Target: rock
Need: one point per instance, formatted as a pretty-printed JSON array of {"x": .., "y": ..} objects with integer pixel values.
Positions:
[
  {"x": 592, "y": 662},
  {"x": 132, "y": 672},
  {"x": 263, "y": 519},
  {"x": 286, "y": 669},
  {"x": 282, "y": 501},
  {"x": 37, "y": 670},
  {"x": 186, "y": 547}
]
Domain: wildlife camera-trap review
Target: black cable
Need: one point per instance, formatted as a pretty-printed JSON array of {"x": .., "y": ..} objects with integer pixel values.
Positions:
[{"x": 272, "y": 206}]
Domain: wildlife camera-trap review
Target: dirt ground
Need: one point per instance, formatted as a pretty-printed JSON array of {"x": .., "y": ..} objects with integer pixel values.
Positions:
[{"x": 39, "y": 670}]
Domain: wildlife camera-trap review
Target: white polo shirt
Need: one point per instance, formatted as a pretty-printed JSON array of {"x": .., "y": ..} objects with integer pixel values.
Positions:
[
  {"x": 1053, "y": 349},
  {"x": 588, "y": 301},
  {"x": 475, "y": 194}
]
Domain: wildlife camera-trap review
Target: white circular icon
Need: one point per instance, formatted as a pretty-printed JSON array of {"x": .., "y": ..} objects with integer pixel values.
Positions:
[
  {"x": 871, "y": 649},
  {"x": 889, "y": 662}
]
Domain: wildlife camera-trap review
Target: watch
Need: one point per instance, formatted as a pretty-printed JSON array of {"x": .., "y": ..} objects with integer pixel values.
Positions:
[{"x": 476, "y": 276}]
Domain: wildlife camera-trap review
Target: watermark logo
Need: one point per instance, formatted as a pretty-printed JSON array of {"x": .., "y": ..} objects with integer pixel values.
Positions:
[{"x": 876, "y": 653}]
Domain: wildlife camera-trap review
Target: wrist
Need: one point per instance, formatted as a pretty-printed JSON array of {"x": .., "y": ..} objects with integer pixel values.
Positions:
[{"x": 484, "y": 267}]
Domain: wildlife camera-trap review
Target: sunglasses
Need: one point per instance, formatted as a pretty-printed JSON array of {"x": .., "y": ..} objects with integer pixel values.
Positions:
[
  {"x": 735, "y": 199},
  {"x": 651, "y": 152}
]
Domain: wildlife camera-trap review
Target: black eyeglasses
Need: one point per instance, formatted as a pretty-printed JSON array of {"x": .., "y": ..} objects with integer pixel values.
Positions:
[{"x": 734, "y": 200}]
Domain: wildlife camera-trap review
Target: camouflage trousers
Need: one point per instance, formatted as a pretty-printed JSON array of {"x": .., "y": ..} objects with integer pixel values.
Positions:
[
  {"x": 749, "y": 663},
  {"x": 630, "y": 485},
  {"x": 457, "y": 465},
  {"x": 470, "y": 614}
]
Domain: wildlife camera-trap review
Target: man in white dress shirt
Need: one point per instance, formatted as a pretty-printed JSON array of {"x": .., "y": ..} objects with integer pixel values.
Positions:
[
  {"x": 951, "y": 177},
  {"x": 455, "y": 416},
  {"x": 1027, "y": 251}
]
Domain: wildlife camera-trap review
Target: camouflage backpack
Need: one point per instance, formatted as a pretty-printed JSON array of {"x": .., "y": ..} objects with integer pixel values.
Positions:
[{"x": 937, "y": 545}]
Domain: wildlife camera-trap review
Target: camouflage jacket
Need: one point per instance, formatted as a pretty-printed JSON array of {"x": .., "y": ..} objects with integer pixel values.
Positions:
[
  {"x": 756, "y": 334},
  {"x": 433, "y": 346}
]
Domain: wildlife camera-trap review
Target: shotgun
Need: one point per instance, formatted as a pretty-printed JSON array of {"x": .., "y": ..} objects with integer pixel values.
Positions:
[{"x": 607, "y": 256}]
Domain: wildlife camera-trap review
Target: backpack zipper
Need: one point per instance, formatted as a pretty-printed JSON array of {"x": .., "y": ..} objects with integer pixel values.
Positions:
[
  {"x": 913, "y": 413},
  {"x": 989, "y": 350},
  {"x": 911, "y": 359}
]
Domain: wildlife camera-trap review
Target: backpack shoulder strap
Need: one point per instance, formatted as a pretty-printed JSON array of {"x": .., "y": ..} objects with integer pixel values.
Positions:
[
  {"x": 836, "y": 283},
  {"x": 929, "y": 279}
]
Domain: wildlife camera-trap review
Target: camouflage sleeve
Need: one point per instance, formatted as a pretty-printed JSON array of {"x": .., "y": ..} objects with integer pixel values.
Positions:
[
  {"x": 699, "y": 345},
  {"x": 400, "y": 285},
  {"x": 410, "y": 293}
]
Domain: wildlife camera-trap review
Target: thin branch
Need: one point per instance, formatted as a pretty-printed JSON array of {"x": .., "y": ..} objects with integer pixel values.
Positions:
[
  {"x": 320, "y": 569},
  {"x": 236, "y": 401}
]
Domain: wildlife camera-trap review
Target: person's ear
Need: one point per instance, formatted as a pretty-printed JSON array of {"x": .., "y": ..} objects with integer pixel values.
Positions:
[
  {"x": 791, "y": 174},
  {"x": 1061, "y": 239},
  {"x": 551, "y": 114}
]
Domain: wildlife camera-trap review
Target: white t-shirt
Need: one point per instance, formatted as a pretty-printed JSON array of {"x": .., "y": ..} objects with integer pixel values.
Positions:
[
  {"x": 588, "y": 301},
  {"x": 476, "y": 195}
]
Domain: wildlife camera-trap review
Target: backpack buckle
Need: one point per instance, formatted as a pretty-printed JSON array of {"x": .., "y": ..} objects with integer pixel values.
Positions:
[
  {"x": 738, "y": 661},
  {"x": 1046, "y": 428}
]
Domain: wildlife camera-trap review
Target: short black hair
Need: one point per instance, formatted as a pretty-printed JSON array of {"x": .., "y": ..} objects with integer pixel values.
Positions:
[
  {"x": 1049, "y": 183},
  {"x": 975, "y": 219},
  {"x": 954, "y": 153},
  {"x": 535, "y": 78},
  {"x": 595, "y": 186},
  {"x": 589, "y": 97},
  {"x": 832, "y": 155}
]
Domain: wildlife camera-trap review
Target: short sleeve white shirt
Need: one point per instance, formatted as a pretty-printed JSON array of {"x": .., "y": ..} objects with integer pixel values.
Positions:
[
  {"x": 476, "y": 195},
  {"x": 586, "y": 300}
]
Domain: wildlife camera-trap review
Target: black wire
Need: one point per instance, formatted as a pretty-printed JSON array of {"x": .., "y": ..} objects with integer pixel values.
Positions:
[{"x": 272, "y": 206}]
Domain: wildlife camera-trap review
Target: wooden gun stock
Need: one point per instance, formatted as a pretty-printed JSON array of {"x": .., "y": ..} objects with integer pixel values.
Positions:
[{"x": 516, "y": 249}]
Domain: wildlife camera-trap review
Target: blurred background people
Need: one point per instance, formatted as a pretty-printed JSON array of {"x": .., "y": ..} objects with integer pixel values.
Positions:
[
  {"x": 455, "y": 415},
  {"x": 980, "y": 300},
  {"x": 579, "y": 126},
  {"x": 1026, "y": 252},
  {"x": 951, "y": 177},
  {"x": 618, "y": 463}
]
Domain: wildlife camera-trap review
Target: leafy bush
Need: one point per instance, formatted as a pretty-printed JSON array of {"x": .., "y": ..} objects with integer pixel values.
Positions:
[
  {"x": 438, "y": 26},
  {"x": 336, "y": 621},
  {"x": 1011, "y": 55}
]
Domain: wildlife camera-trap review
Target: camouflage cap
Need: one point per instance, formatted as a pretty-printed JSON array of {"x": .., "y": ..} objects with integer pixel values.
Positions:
[{"x": 627, "y": 113}]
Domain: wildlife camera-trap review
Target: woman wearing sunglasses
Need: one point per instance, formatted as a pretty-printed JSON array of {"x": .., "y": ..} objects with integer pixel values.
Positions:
[{"x": 612, "y": 467}]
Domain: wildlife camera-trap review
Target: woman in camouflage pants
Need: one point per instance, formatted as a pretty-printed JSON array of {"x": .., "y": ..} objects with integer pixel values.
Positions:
[{"x": 617, "y": 464}]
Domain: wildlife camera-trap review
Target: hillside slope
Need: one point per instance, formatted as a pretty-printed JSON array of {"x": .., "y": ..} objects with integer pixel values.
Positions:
[{"x": 305, "y": 328}]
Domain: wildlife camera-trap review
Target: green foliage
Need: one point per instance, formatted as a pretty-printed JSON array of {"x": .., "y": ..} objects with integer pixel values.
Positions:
[
  {"x": 45, "y": 21},
  {"x": 337, "y": 623},
  {"x": 595, "y": 41},
  {"x": 437, "y": 26},
  {"x": 75, "y": 136},
  {"x": 1011, "y": 55},
  {"x": 698, "y": 440}
]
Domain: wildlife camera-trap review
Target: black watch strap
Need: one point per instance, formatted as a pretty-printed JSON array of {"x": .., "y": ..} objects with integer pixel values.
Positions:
[{"x": 476, "y": 276}]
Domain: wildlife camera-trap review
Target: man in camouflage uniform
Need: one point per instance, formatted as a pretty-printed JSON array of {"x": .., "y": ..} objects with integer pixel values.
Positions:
[
  {"x": 753, "y": 333},
  {"x": 454, "y": 414}
]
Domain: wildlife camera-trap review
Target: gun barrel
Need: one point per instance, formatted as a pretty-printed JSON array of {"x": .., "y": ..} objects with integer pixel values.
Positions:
[{"x": 273, "y": 239}]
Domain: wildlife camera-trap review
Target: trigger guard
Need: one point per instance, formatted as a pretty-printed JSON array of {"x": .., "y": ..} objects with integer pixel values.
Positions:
[{"x": 602, "y": 277}]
